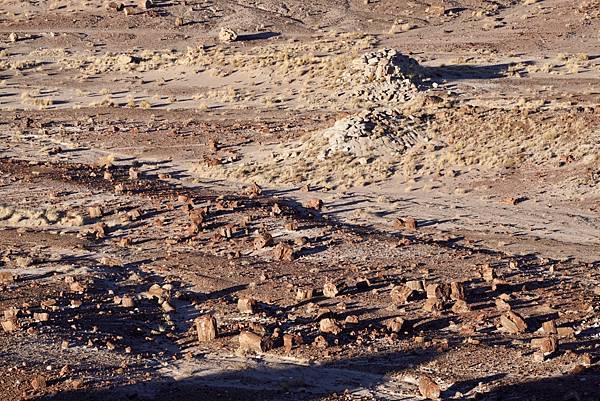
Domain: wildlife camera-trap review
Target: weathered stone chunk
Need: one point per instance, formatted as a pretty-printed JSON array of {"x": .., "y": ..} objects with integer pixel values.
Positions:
[
  {"x": 488, "y": 273},
  {"x": 6, "y": 278},
  {"x": 283, "y": 252},
  {"x": 10, "y": 325},
  {"x": 549, "y": 327},
  {"x": 407, "y": 223},
  {"x": 251, "y": 342},
  {"x": 246, "y": 305},
  {"x": 227, "y": 35},
  {"x": 513, "y": 322},
  {"x": 429, "y": 388},
  {"x": 38, "y": 383},
  {"x": 437, "y": 291},
  {"x": 206, "y": 326},
  {"x": 95, "y": 212},
  {"x": 329, "y": 325},
  {"x": 415, "y": 285},
  {"x": 547, "y": 345},
  {"x": 41, "y": 316},
  {"x": 457, "y": 291},
  {"x": 461, "y": 306},
  {"x": 330, "y": 290},
  {"x": 502, "y": 305},
  {"x": 401, "y": 294},
  {"x": 289, "y": 340},
  {"x": 433, "y": 305},
  {"x": 395, "y": 325},
  {"x": 127, "y": 302},
  {"x": 304, "y": 294},
  {"x": 315, "y": 203},
  {"x": 263, "y": 240}
]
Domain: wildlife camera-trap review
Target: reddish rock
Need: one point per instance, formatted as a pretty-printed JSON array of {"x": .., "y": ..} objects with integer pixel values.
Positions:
[
  {"x": 513, "y": 322},
  {"x": 206, "y": 327},
  {"x": 283, "y": 252},
  {"x": 251, "y": 342},
  {"x": 429, "y": 388},
  {"x": 329, "y": 325}
]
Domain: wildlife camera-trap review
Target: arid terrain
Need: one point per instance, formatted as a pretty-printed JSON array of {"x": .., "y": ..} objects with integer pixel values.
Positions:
[{"x": 300, "y": 200}]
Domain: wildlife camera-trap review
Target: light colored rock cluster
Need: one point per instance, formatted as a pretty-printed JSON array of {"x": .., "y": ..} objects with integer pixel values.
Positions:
[
  {"x": 387, "y": 76},
  {"x": 227, "y": 35},
  {"x": 371, "y": 134}
]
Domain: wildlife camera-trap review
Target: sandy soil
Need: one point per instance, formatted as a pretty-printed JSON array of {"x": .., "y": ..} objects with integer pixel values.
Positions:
[{"x": 423, "y": 223}]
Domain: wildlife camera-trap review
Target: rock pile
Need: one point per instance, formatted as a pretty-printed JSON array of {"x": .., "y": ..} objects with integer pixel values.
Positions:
[
  {"x": 371, "y": 134},
  {"x": 387, "y": 76}
]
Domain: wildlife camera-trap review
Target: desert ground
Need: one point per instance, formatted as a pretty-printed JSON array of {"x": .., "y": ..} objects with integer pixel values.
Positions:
[{"x": 300, "y": 200}]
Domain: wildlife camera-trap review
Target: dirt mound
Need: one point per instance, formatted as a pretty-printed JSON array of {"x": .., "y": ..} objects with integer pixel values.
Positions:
[
  {"x": 372, "y": 134},
  {"x": 357, "y": 150}
]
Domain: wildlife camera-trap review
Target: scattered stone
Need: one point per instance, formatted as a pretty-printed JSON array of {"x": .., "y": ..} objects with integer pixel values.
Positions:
[
  {"x": 227, "y": 35},
  {"x": 64, "y": 371},
  {"x": 10, "y": 325},
  {"x": 429, "y": 388},
  {"x": 251, "y": 342},
  {"x": 549, "y": 327},
  {"x": 39, "y": 383},
  {"x": 289, "y": 340},
  {"x": 115, "y": 6},
  {"x": 284, "y": 252},
  {"x": 407, "y": 223},
  {"x": 75, "y": 286},
  {"x": 320, "y": 342},
  {"x": 351, "y": 319},
  {"x": 6, "y": 277},
  {"x": 502, "y": 305},
  {"x": 206, "y": 327},
  {"x": 330, "y": 290},
  {"x": 457, "y": 291},
  {"x": 513, "y": 322},
  {"x": 565, "y": 332},
  {"x": 11, "y": 313},
  {"x": 146, "y": 4},
  {"x": 13, "y": 37},
  {"x": 438, "y": 291},
  {"x": 134, "y": 174},
  {"x": 304, "y": 294},
  {"x": 246, "y": 305},
  {"x": 167, "y": 307},
  {"x": 395, "y": 325},
  {"x": 461, "y": 306},
  {"x": 433, "y": 305},
  {"x": 41, "y": 316},
  {"x": 178, "y": 22},
  {"x": 263, "y": 240},
  {"x": 329, "y": 325},
  {"x": 488, "y": 273},
  {"x": 401, "y": 294},
  {"x": 547, "y": 346},
  {"x": 95, "y": 211},
  {"x": 437, "y": 10},
  {"x": 586, "y": 359},
  {"x": 254, "y": 190},
  {"x": 226, "y": 231},
  {"x": 314, "y": 203},
  {"x": 416, "y": 285}
]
